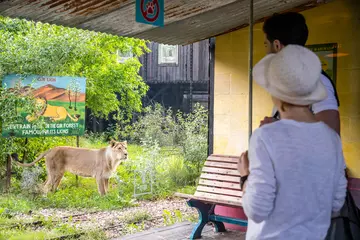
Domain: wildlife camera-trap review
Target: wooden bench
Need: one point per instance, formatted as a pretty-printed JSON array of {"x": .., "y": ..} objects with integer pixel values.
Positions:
[{"x": 219, "y": 184}]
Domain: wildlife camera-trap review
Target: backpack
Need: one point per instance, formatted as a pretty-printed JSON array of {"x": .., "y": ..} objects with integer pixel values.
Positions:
[
  {"x": 347, "y": 225},
  {"x": 277, "y": 114}
]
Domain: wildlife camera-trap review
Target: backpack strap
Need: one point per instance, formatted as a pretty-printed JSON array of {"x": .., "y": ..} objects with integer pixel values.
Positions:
[
  {"x": 333, "y": 85},
  {"x": 277, "y": 114}
]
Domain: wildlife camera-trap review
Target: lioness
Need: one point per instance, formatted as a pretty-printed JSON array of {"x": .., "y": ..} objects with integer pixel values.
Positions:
[{"x": 97, "y": 163}]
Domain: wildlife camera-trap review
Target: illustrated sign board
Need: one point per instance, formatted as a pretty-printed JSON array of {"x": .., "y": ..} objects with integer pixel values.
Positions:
[
  {"x": 60, "y": 103},
  {"x": 150, "y": 12},
  {"x": 328, "y": 57}
]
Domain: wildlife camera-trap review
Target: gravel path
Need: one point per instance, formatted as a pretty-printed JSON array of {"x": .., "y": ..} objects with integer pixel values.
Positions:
[{"x": 120, "y": 222}]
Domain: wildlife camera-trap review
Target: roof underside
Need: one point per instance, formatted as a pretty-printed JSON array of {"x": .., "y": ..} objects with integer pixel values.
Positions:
[{"x": 186, "y": 21}]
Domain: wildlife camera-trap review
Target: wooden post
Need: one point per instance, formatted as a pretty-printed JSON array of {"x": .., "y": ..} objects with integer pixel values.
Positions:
[
  {"x": 251, "y": 57},
  {"x": 77, "y": 145},
  {"x": 211, "y": 96},
  {"x": 191, "y": 77},
  {"x": 25, "y": 152},
  {"x": 8, "y": 174}
]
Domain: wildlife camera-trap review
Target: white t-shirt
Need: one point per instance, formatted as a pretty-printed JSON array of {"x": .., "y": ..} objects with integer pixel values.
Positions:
[
  {"x": 330, "y": 103},
  {"x": 297, "y": 178}
]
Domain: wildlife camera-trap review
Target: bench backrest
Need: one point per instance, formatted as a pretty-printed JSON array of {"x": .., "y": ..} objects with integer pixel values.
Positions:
[{"x": 220, "y": 180}]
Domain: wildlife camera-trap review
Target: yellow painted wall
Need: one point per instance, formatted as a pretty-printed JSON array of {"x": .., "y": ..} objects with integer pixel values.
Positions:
[{"x": 339, "y": 22}]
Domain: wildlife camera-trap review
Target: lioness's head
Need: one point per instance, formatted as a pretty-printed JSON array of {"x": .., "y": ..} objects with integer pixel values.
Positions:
[{"x": 119, "y": 150}]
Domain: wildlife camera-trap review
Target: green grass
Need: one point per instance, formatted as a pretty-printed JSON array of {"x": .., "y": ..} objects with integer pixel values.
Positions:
[
  {"x": 49, "y": 230},
  {"x": 187, "y": 189}
]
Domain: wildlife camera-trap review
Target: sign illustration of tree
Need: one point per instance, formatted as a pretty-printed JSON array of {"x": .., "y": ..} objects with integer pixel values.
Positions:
[
  {"x": 75, "y": 91},
  {"x": 69, "y": 93}
]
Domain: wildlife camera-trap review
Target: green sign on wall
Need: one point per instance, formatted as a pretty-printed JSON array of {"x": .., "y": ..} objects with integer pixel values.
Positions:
[
  {"x": 60, "y": 102},
  {"x": 327, "y": 54}
]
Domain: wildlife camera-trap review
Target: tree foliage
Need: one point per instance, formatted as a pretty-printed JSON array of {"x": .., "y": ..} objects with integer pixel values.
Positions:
[{"x": 36, "y": 48}]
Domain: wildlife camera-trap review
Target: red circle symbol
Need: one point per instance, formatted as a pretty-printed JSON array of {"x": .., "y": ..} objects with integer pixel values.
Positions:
[{"x": 151, "y": 10}]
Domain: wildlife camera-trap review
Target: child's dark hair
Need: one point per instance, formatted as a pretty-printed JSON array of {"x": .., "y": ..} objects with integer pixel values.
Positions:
[{"x": 288, "y": 28}]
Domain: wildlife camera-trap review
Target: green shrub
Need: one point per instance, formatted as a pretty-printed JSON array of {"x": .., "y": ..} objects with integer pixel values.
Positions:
[
  {"x": 187, "y": 131},
  {"x": 156, "y": 123},
  {"x": 193, "y": 137}
]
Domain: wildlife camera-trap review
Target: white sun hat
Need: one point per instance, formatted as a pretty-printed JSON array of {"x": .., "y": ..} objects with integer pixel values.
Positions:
[{"x": 292, "y": 75}]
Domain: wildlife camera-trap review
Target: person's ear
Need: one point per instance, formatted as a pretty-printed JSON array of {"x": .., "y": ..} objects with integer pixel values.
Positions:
[
  {"x": 282, "y": 106},
  {"x": 277, "y": 45}
]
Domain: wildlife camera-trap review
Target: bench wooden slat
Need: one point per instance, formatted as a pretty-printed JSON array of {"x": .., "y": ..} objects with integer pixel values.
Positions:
[
  {"x": 234, "y": 186},
  {"x": 221, "y": 171},
  {"x": 220, "y": 177},
  {"x": 229, "y": 159},
  {"x": 224, "y": 156},
  {"x": 183, "y": 195},
  {"x": 236, "y": 201},
  {"x": 221, "y": 165},
  {"x": 215, "y": 190},
  {"x": 209, "y": 200}
]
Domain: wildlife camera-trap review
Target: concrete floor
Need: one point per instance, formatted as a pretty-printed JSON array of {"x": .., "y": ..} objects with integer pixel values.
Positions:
[{"x": 182, "y": 231}]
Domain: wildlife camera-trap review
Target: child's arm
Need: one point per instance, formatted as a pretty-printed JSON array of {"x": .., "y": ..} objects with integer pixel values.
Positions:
[
  {"x": 341, "y": 184},
  {"x": 258, "y": 202}
]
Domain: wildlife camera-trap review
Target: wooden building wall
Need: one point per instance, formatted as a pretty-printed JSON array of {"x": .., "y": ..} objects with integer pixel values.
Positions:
[
  {"x": 169, "y": 84},
  {"x": 192, "y": 58}
]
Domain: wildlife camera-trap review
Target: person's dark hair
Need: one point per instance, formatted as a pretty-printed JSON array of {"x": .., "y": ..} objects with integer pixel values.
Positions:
[{"x": 288, "y": 28}]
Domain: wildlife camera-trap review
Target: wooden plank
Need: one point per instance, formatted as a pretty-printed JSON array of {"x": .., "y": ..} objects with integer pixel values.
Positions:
[
  {"x": 228, "y": 202},
  {"x": 200, "y": 62},
  {"x": 223, "y": 159},
  {"x": 195, "y": 67},
  {"x": 219, "y": 184},
  {"x": 183, "y": 195},
  {"x": 215, "y": 198},
  {"x": 224, "y": 155},
  {"x": 221, "y": 171},
  {"x": 221, "y": 165},
  {"x": 204, "y": 65},
  {"x": 235, "y": 193},
  {"x": 182, "y": 61},
  {"x": 153, "y": 62},
  {"x": 220, "y": 177}
]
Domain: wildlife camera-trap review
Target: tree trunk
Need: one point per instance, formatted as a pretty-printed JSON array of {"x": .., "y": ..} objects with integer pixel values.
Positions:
[
  {"x": 75, "y": 101},
  {"x": 69, "y": 94},
  {"x": 25, "y": 152},
  {"x": 8, "y": 174},
  {"x": 77, "y": 145}
]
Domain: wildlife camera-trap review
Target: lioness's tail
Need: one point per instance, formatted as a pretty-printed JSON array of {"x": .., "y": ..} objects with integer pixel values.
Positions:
[
  {"x": 75, "y": 118},
  {"x": 33, "y": 163}
]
